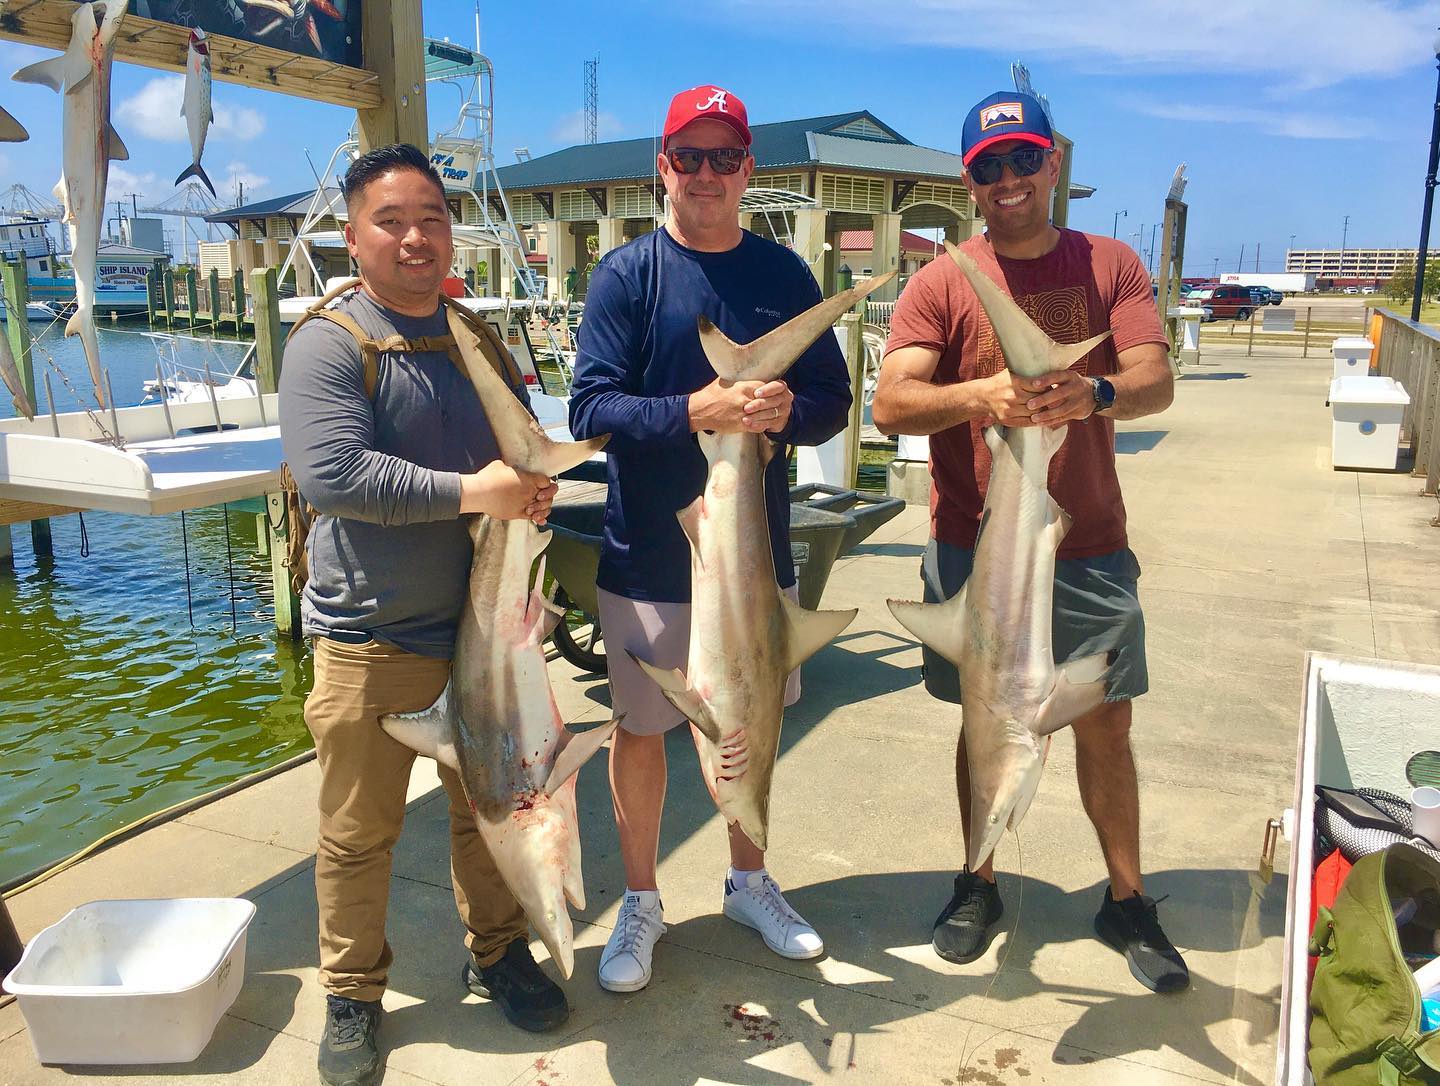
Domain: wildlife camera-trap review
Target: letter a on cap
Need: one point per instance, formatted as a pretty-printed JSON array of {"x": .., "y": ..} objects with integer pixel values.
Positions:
[{"x": 716, "y": 99}]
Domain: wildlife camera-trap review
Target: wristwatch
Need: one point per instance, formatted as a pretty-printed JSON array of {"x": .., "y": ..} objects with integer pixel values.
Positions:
[{"x": 1104, "y": 393}]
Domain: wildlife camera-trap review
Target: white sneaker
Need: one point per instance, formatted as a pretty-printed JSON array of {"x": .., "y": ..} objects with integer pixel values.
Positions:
[
  {"x": 753, "y": 899},
  {"x": 625, "y": 964}
]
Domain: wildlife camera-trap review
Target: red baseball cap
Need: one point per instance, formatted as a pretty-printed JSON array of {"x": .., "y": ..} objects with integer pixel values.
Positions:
[{"x": 707, "y": 102}]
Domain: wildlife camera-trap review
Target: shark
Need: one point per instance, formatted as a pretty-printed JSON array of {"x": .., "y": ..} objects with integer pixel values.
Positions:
[
  {"x": 997, "y": 628},
  {"x": 496, "y": 724},
  {"x": 746, "y": 636}
]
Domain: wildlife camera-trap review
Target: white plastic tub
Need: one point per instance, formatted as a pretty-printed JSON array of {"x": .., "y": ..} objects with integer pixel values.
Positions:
[
  {"x": 1366, "y": 413},
  {"x": 1352, "y": 356},
  {"x": 1360, "y": 722},
  {"x": 141, "y": 981}
]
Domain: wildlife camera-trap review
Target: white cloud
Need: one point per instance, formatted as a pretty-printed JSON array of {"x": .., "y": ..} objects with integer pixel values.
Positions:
[
  {"x": 121, "y": 180},
  {"x": 154, "y": 112},
  {"x": 1272, "y": 122},
  {"x": 570, "y": 128},
  {"x": 1304, "y": 43}
]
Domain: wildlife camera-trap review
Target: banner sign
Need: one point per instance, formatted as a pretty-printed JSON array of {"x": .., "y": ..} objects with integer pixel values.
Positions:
[{"x": 328, "y": 29}]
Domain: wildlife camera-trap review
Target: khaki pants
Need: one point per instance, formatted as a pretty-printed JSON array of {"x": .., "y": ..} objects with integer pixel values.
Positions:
[{"x": 363, "y": 777}]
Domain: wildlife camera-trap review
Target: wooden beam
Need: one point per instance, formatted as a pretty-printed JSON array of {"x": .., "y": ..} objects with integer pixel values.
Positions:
[
  {"x": 394, "y": 52},
  {"x": 903, "y": 188},
  {"x": 601, "y": 196},
  {"x": 18, "y": 512},
  {"x": 163, "y": 45}
]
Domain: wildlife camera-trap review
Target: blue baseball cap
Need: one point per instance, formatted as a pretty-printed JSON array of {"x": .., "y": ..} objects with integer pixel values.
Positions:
[{"x": 1005, "y": 115}]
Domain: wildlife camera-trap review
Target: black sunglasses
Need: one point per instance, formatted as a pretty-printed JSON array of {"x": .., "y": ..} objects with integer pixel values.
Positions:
[
  {"x": 723, "y": 160},
  {"x": 1023, "y": 161}
]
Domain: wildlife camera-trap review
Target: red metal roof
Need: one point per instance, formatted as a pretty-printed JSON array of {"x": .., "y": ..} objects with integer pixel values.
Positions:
[{"x": 855, "y": 241}]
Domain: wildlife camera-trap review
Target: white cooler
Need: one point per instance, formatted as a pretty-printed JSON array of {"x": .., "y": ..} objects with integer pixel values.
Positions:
[
  {"x": 1352, "y": 356},
  {"x": 1367, "y": 412}
]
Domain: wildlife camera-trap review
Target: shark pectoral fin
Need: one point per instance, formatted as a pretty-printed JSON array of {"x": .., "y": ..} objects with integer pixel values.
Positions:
[
  {"x": 994, "y": 438},
  {"x": 768, "y": 357},
  {"x": 689, "y": 519},
  {"x": 678, "y": 693},
  {"x": 579, "y": 748},
  {"x": 430, "y": 732},
  {"x": 76, "y": 324},
  {"x": 1057, "y": 527},
  {"x": 542, "y": 614},
  {"x": 1079, "y": 687},
  {"x": 48, "y": 73},
  {"x": 553, "y": 457},
  {"x": 11, "y": 130},
  {"x": 941, "y": 626},
  {"x": 811, "y": 631},
  {"x": 118, "y": 151},
  {"x": 1065, "y": 355}
]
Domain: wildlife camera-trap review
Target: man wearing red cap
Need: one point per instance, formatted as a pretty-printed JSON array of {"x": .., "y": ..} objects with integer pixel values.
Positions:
[
  {"x": 944, "y": 375},
  {"x": 641, "y": 376}
]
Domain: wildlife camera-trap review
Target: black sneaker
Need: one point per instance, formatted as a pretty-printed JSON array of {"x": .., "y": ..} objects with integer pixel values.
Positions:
[
  {"x": 1132, "y": 927},
  {"x": 529, "y": 998},
  {"x": 348, "y": 1056},
  {"x": 964, "y": 927}
]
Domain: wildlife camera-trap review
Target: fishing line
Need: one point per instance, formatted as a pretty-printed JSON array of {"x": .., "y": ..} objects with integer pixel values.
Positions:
[
  {"x": 185, "y": 541},
  {"x": 230, "y": 566},
  {"x": 999, "y": 967}
]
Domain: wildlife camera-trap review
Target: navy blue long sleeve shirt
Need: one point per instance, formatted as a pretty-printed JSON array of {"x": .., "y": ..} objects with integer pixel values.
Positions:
[{"x": 640, "y": 359}]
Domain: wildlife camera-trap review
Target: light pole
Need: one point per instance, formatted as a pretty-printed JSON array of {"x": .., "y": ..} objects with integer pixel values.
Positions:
[
  {"x": 1344, "y": 234},
  {"x": 1153, "y": 228},
  {"x": 1429, "y": 195},
  {"x": 1114, "y": 226}
]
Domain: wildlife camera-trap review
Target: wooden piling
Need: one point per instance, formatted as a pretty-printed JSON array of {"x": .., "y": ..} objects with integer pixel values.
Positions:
[
  {"x": 854, "y": 325},
  {"x": 269, "y": 355},
  {"x": 214, "y": 301},
  {"x": 152, "y": 292},
  {"x": 17, "y": 327},
  {"x": 168, "y": 287},
  {"x": 192, "y": 297},
  {"x": 237, "y": 293}
]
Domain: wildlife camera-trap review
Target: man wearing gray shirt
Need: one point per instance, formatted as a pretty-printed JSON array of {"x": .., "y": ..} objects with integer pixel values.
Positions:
[{"x": 391, "y": 469}]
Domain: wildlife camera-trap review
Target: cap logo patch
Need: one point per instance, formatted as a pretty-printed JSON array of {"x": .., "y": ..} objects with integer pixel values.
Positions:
[
  {"x": 717, "y": 99},
  {"x": 1001, "y": 113}
]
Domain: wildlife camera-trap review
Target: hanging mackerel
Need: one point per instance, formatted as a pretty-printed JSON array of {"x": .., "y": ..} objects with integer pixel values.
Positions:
[
  {"x": 82, "y": 74},
  {"x": 496, "y": 723},
  {"x": 997, "y": 628},
  {"x": 196, "y": 106},
  {"x": 745, "y": 635}
]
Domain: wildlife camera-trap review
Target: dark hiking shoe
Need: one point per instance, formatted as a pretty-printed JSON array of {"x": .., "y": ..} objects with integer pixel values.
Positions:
[
  {"x": 348, "y": 1056},
  {"x": 964, "y": 926},
  {"x": 529, "y": 998},
  {"x": 1132, "y": 927}
]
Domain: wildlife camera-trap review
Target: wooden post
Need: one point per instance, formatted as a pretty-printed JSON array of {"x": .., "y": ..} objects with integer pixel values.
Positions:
[
  {"x": 214, "y": 300},
  {"x": 269, "y": 356},
  {"x": 17, "y": 327},
  {"x": 854, "y": 325},
  {"x": 237, "y": 291},
  {"x": 168, "y": 286},
  {"x": 152, "y": 291},
  {"x": 192, "y": 297},
  {"x": 1305, "y": 347},
  {"x": 1250, "y": 343},
  {"x": 394, "y": 51}
]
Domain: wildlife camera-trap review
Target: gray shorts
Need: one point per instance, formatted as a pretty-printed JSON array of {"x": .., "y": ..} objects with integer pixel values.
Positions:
[
  {"x": 658, "y": 633},
  {"x": 1097, "y": 609}
]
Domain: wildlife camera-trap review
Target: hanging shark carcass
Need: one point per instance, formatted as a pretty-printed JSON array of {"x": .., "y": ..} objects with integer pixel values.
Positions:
[
  {"x": 496, "y": 723},
  {"x": 997, "y": 628},
  {"x": 10, "y": 373},
  {"x": 11, "y": 130},
  {"x": 745, "y": 635},
  {"x": 82, "y": 75}
]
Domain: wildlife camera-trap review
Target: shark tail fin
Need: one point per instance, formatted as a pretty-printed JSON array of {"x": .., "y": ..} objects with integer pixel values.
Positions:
[
  {"x": 196, "y": 170},
  {"x": 11, "y": 130},
  {"x": 941, "y": 626},
  {"x": 768, "y": 357}
]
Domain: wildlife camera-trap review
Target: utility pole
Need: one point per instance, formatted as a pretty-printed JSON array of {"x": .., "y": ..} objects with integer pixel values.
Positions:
[
  {"x": 1140, "y": 240},
  {"x": 1429, "y": 198},
  {"x": 1151, "y": 257},
  {"x": 1241, "y": 262},
  {"x": 1257, "y": 258},
  {"x": 1344, "y": 235},
  {"x": 1215, "y": 271}
]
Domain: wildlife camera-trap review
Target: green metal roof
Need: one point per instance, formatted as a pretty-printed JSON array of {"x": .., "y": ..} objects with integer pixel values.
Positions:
[{"x": 775, "y": 145}]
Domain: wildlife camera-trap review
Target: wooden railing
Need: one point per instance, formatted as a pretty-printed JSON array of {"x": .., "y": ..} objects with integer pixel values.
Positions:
[{"x": 1410, "y": 353}]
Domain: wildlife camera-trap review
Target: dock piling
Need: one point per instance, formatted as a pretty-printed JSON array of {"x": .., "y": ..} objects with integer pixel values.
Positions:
[
  {"x": 192, "y": 297},
  {"x": 269, "y": 355},
  {"x": 17, "y": 297},
  {"x": 168, "y": 289}
]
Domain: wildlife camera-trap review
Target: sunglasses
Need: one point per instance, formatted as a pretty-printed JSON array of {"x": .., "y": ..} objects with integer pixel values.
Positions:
[
  {"x": 1023, "y": 162},
  {"x": 723, "y": 160}
]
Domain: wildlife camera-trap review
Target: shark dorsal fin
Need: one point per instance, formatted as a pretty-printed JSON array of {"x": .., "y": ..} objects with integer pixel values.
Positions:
[
  {"x": 938, "y": 625},
  {"x": 811, "y": 631},
  {"x": 579, "y": 748}
]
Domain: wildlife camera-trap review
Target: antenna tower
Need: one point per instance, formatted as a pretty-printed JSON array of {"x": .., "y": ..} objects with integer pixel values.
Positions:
[{"x": 592, "y": 102}]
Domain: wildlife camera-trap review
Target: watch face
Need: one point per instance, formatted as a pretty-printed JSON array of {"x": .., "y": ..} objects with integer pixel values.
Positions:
[{"x": 1104, "y": 392}]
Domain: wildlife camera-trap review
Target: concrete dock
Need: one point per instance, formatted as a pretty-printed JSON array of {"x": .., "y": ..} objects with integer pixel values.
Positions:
[{"x": 1254, "y": 551}]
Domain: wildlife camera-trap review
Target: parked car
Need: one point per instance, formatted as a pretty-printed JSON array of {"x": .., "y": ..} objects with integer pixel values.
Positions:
[
  {"x": 1228, "y": 300},
  {"x": 1369, "y": 290},
  {"x": 1351, "y": 290}
]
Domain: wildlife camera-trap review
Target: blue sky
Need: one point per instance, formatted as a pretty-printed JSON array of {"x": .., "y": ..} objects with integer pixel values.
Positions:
[{"x": 1291, "y": 115}]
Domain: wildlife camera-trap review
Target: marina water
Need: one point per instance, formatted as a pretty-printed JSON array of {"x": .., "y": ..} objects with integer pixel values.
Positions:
[{"x": 114, "y": 703}]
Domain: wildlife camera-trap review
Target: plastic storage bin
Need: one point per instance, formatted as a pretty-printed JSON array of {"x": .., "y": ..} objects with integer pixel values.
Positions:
[
  {"x": 1352, "y": 356},
  {"x": 1366, "y": 413},
  {"x": 142, "y": 981}
]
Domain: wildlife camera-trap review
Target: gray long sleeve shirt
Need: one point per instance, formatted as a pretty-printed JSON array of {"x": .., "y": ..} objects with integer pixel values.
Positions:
[{"x": 388, "y": 553}]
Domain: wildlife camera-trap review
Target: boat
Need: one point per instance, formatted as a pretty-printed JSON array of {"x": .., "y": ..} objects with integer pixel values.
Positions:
[{"x": 37, "y": 311}]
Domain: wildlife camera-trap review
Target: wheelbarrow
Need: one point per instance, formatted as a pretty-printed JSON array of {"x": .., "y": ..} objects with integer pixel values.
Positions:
[{"x": 869, "y": 512}]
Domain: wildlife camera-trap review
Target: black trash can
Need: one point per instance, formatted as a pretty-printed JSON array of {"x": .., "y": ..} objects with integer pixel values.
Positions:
[{"x": 816, "y": 536}]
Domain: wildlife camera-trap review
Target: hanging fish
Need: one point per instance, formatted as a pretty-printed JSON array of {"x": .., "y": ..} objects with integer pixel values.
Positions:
[
  {"x": 10, "y": 374},
  {"x": 11, "y": 130},
  {"x": 82, "y": 74},
  {"x": 196, "y": 107}
]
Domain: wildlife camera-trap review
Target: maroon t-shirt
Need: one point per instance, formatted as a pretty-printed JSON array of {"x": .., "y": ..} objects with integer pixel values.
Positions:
[{"x": 1085, "y": 285}]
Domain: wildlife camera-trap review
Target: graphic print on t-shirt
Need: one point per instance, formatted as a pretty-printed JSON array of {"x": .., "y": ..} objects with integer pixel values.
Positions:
[{"x": 1063, "y": 314}]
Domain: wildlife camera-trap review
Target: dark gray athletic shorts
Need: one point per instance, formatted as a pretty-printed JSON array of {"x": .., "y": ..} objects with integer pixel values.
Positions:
[{"x": 1097, "y": 609}]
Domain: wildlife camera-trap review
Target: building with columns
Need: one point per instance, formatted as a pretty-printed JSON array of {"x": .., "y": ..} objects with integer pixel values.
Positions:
[{"x": 815, "y": 179}]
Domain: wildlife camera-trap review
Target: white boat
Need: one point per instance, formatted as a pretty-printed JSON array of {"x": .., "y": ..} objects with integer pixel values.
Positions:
[{"x": 34, "y": 311}]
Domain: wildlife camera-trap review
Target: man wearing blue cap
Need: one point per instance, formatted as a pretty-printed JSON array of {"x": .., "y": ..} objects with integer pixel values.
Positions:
[{"x": 944, "y": 376}]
